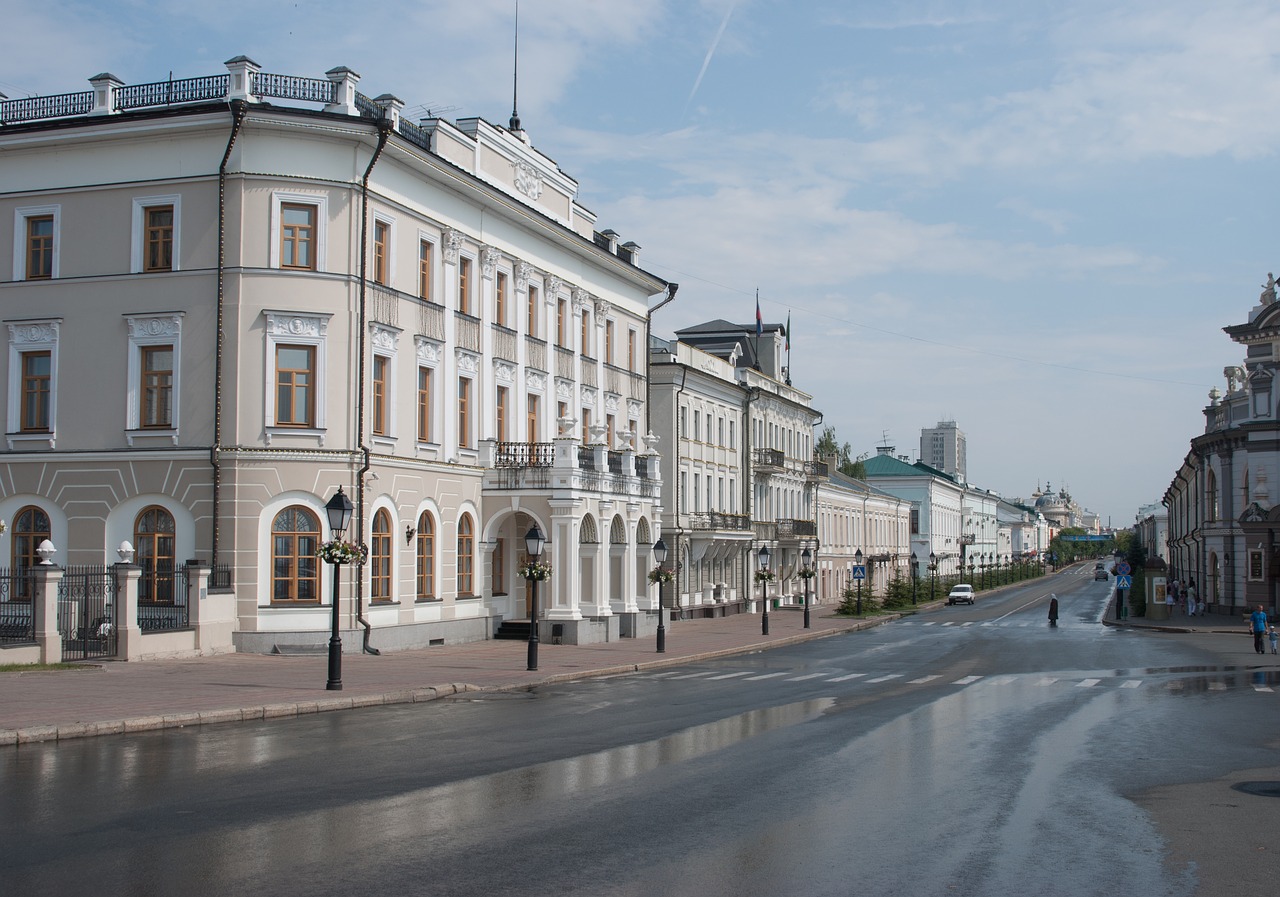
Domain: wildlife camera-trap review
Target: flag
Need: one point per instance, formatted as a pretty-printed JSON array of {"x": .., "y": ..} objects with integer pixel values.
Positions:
[
  {"x": 786, "y": 331},
  {"x": 759, "y": 320}
]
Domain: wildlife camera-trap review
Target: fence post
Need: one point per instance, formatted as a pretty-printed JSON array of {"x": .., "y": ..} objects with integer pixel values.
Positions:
[
  {"x": 128, "y": 635},
  {"x": 44, "y": 609},
  {"x": 197, "y": 590}
]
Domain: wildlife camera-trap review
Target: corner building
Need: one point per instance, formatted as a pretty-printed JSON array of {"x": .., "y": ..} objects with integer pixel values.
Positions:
[{"x": 228, "y": 296}]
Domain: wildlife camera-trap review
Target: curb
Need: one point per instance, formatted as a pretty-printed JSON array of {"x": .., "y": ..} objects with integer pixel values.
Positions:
[{"x": 283, "y": 710}]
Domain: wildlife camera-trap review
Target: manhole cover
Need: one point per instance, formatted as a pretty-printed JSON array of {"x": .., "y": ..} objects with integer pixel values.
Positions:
[{"x": 1261, "y": 789}]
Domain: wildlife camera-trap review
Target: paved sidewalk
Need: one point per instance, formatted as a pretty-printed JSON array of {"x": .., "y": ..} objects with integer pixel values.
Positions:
[{"x": 111, "y": 698}]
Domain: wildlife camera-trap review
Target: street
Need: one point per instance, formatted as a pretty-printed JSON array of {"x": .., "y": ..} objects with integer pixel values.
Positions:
[{"x": 961, "y": 751}]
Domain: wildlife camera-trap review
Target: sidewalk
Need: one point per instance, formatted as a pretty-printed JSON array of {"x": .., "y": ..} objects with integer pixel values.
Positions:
[{"x": 112, "y": 698}]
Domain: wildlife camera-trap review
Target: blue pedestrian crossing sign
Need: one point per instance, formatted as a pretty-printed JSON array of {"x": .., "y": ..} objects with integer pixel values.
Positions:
[
  {"x": 1124, "y": 582},
  {"x": 859, "y": 571}
]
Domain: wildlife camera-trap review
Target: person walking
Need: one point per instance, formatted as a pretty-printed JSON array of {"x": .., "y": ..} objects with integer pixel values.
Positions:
[
  {"x": 1258, "y": 626},
  {"x": 1053, "y": 610},
  {"x": 1192, "y": 607},
  {"x": 1273, "y": 637}
]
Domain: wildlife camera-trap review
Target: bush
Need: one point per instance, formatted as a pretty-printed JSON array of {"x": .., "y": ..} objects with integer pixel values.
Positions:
[
  {"x": 849, "y": 602},
  {"x": 899, "y": 592}
]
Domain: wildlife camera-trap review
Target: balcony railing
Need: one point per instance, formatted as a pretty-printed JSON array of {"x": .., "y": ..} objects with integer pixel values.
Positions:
[
  {"x": 767, "y": 457},
  {"x": 56, "y": 106},
  {"x": 535, "y": 353},
  {"x": 524, "y": 454},
  {"x": 166, "y": 93},
  {"x": 504, "y": 342},
  {"x": 716, "y": 520},
  {"x": 817, "y": 470},
  {"x": 291, "y": 87},
  {"x": 467, "y": 330},
  {"x": 794, "y": 529}
]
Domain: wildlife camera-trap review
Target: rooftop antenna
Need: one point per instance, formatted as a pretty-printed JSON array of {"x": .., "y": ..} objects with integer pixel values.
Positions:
[{"x": 514, "y": 124}]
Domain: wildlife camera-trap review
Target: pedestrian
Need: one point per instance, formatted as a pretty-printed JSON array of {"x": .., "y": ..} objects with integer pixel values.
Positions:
[
  {"x": 1258, "y": 626},
  {"x": 1273, "y": 637},
  {"x": 1053, "y": 610},
  {"x": 1193, "y": 608},
  {"x": 1170, "y": 598}
]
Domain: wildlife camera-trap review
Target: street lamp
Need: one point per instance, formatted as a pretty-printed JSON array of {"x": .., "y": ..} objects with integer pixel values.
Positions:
[
  {"x": 338, "y": 509},
  {"x": 915, "y": 577},
  {"x": 806, "y": 558},
  {"x": 763, "y": 556},
  {"x": 971, "y": 579},
  {"x": 659, "y": 556},
  {"x": 533, "y": 545},
  {"x": 857, "y": 564},
  {"x": 933, "y": 571}
]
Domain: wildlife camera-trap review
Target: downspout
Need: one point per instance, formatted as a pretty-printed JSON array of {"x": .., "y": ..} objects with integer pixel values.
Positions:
[
  {"x": 748, "y": 487},
  {"x": 384, "y": 132},
  {"x": 648, "y": 379},
  {"x": 675, "y": 478},
  {"x": 239, "y": 109}
]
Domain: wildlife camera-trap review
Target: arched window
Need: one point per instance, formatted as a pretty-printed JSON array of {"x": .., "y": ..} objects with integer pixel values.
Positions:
[
  {"x": 426, "y": 557},
  {"x": 466, "y": 557},
  {"x": 153, "y": 544},
  {"x": 295, "y": 569},
  {"x": 380, "y": 557},
  {"x": 30, "y": 528}
]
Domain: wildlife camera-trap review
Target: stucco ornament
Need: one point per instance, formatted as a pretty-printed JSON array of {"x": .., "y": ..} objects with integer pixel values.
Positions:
[{"x": 528, "y": 180}]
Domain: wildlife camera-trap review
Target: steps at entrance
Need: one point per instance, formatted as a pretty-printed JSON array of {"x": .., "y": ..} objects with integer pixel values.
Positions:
[{"x": 516, "y": 630}]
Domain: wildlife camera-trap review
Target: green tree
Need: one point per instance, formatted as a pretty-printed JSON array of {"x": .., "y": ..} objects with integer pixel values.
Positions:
[{"x": 828, "y": 446}]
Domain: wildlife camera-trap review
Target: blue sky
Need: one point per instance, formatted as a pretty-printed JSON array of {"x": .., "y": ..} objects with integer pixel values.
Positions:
[{"x": 1033, "y": 218}]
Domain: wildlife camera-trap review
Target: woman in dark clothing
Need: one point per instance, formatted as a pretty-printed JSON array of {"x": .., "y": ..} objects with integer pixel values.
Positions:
[{"x": 1053, "y": 610}]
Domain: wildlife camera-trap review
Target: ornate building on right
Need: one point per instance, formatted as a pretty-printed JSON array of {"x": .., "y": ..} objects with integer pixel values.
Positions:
[{"x": 1223, "y": 510}]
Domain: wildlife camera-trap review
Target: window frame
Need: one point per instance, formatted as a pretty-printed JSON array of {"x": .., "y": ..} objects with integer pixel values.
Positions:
[
  {"x": 381, "y": 557},
  {"x": 382, "y": 250},
  {"x": 426, "y": 268},
  {"x": 296, "y": 557},
  {"x": 466, "y": 548},
  {"x": 139, "y": 242},
  {"x": 21, "y": 235},
  {"x": 425, "y": 558},
  {"x": 501, "y": 298},
  {"x": 147, "y": 332},
  {"x": 466, "y": 284},
  {"x": 292, "y": 329},
  {"x": 465, "y": 396},
  {"x": 28, "y": 337},
  {"x": 281, "y": 199}
]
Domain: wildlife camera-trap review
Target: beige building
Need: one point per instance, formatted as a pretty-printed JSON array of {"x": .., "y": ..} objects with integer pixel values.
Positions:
[{"x": 230, "y": 296}]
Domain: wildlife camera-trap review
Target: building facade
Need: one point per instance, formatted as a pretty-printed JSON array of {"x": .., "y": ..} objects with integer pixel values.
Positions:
[
  {"x": 231, "y": 296},
  {"x": 943, "y": 448},
  {"x": 937, "y": 518}
]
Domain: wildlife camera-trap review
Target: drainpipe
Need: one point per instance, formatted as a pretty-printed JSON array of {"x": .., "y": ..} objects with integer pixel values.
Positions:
[
  {"x": 239, "y": 108},
  {"x": 675, "y": 478},
  {"x": 648, "y": 378},
  {"x": 384, "y": 132}
]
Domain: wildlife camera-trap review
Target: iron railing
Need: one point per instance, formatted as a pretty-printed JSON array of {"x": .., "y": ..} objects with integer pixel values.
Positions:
[
  {"x": 415, "y": 134},
  {"x": 17, "y": 624},
  {"x": 56, "y": 105},
  {"x": 292, "y": 87},
  {"x": 162, "y": 601},
  {"x": 166, "y": 93},
  {"x": 220, "y": 578},
  {"x": 767, "y": 457},
  {"x": 719, "y": 521},
  {"x": 86, "y": 613},
  {"x": 367, "y": 107},
  {"x": 524, "y": 454}
]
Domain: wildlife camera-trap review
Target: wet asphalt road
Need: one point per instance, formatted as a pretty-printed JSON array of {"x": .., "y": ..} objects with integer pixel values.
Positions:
[{"x": 966, "y": 751}]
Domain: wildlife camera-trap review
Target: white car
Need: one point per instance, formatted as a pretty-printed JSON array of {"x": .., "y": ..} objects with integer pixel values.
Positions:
[{"x": 963, "y": 592}]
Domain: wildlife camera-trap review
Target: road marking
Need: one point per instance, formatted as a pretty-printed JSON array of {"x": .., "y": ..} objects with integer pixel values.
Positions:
[
  {"x": 930, "y": 623},
  {"x": 1046, "y": 681},
  {"x": 1004, "y": 680},
  {"x": 847, "y": 678},
  {"x": 802, "y": 678},
  {"x": 1217, "y": 686},
  {"x": 693, "y": 675},
  {"x": 970, "y": 623},
  {"x": 886, "y": 678},
  {"x": 1087, "y": 683},
  {"x": 1132, "y": 683},
  {"x": 766, "y": 676},
  {"x": 967, "y": 680},
  {"x": 922, "y": 680},
  {"x": 1263, "y": 688},
  {"x": 732, "y": 675},
  {"x": 949, "y": 623}
]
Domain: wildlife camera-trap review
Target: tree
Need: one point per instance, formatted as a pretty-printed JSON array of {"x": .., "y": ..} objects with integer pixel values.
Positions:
[{"x": 828, "y": 446}]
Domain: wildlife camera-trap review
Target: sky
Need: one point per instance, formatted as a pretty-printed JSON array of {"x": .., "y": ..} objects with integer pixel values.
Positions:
[{"x": 1032, "y": 218}]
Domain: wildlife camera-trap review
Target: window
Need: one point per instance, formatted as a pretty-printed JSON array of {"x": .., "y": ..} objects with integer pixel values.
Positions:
[
  {"x": 560, "y": 323},
  {"x": 295, "y": 386},
  {"x": 586, "y": 426},
  {"x": 500, "y": 301},
  {"x": 915, "y": 521},
  {"x": 157, "y": 387},
  {"x": 159, "y": 239},
  {"x": 697, "y": 425},
  {"x": 501, "y": 407},
  {"x": 381, "y": 252},
  {"x": 498, "y": 577},
  {"x": 298, "y": 236},
  {"x": 426, "y": 557},
  {"x": 466, "y": 557},
  {"x": 37, "y": 380},
  {"x": 424, "y": 404},
  {"x": 295, "y": 569},
  {"x": 531, "y": 319},
  {"x": 585, "y": 346},
  {"x": 155, "y": 237},
  {"x": 609, "y": 424},
  {"x": 464, "y": 412},
  {"x": 425, "y": 255},
  {"x": 532, "y": 419},
  {"x": 379, "y": 422},
  {"x": 380, "y": 557},
  {"x": 631, "y": 350},
  {"x": 36, "y": 242},
  {"x": 731, "y": 428},
  {"x": 608, "y": 342},
  {"x": 153, "y": 540},
  {"x": 464, "y": 285},
  {"x": 30, "y": 528}
]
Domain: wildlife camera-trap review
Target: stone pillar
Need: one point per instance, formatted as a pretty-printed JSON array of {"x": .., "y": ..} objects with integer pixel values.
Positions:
[
  {"x": 104, "y": 93},
  {"x": 197, "y": 591},
  {"x": 242, "y": 69},
  {"x": 344, "y": 99},
  {"x": 44, "y": 609},
  {"x": 128, "y": 635},
  {"x": 391, "y": 107},
  {"x": 563, "y": 596}
]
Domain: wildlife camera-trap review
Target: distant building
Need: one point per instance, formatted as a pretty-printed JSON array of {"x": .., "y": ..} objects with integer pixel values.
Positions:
[
  {"x": 1152, "y": 530},
  {"x": 943, "y": 448}
]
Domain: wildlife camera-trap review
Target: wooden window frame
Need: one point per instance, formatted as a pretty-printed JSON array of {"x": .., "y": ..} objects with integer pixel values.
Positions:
[
  {"x": 464, "y": 285},
  {"x": 500, "y": 299},
  {"x": 531, "y": 312},
  {"x": 158, "y": 238},
  {"x": 379, "y": 380},
  {"x": 464, "y": 412},
  {"x": 39, "y": 247},
  {"x": 156, "y": 388},
  {"x": 466, "y": 557},
  {"x": 501, "y": 406},
  {"x": 531, "y": 417},
  {"x": 381, "y": 251},
  {"x": 293, "y": 236},
  {"x": 35, "y": 413},
  {"x": 380, "y": 556},
  {"x": 291, "y": 387},
  {"x": 426, "y": 557},
  {"x": 426, "y": 261},
  {"x": 304, "y": 566}
]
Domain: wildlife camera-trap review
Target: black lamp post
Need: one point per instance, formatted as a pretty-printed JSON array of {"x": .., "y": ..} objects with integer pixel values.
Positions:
[
  {"x": 933, "y": 572},
  {"x": 659, "y": 556},
  {"x": 857, "y": 565},
  {"x": 338, "y": 510},
  {"x": 806, "y": 558},
  {"x": 915, "y": 577},
  {"x": 972, "y": 581},
  {"x": 763, "y": 556},
  {"x": 533, "y": 545}
]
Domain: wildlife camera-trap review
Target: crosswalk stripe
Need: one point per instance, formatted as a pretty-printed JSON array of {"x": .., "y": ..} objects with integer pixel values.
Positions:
[
  {"x": 930, "y": 623},
  {"x": 765, "y": 676},
  {"x": 1046, "y": 681},
  {"x": 886, "y": 678},
  {"x": 693, "y": 675},
  {"x": 732, "y": 675},
  {"x": 922, "y": 680},
  {"x": 847, "y": 678},
  {"x": 967, "y": 680},
  {"x": 1262, "y": 688},
  {"x": 1132, "y": 683},
  {"x": 949, "y": 623},
  {"x": 802, "y": 678},
  {"x": 1004, "y": 680},
  {"x": 1087, "y": 683}
]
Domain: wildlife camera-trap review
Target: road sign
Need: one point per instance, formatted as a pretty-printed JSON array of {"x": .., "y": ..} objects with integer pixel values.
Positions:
[
  {"x": 1123, "y": 568},
  {"x": 859, "y": 571},
  {"x": 1124, "y": 582}
]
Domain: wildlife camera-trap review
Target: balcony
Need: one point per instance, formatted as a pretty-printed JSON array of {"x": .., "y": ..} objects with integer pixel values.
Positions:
[
  {"x": 817, "y": 470},
  {"x": 769, "y": 460},
  {"x": 715, "y": 520},
  {"x": 563, "y": 467},
  {"x": 797, "y": 529}
]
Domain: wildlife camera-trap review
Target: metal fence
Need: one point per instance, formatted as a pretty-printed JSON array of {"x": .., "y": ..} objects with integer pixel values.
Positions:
[
  {"x": 17, "y": 625},
  {"x": 162, "y": 601},
  {"x": 86, "y": 613}
]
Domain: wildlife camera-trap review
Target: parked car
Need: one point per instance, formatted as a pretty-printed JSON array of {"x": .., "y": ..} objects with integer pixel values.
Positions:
[
  {"x": 963, "y": 592},
  {"x": 1099, "y": 570}
]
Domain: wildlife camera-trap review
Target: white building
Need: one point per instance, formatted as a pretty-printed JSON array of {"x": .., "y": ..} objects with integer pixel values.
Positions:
[
  {"x": 937, "y": 521},
  {"x": 232, "y": 295},
  {"x": 857, "y": 521},
  {"x": 943, "y": 448}
]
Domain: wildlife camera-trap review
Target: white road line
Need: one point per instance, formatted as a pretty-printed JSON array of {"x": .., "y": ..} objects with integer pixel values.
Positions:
[
  {"x": 802, "y": 678},
  {"x": 693, "y": 675},
  {"x": 1046, "y": 681},
  {"x": 1262, "y": 688},
  {"x": 922, "y": 680},
  {"x": 1087, "y": 683},
  {"x": 847, "y": 678},
  {"x": 1132, "y": 683},
  {"x": 967, "y": 680},
  {"x": 732, "y": 675},
  {"x": 1217, "y": 686},
  {"x": 886, "y": 678},
  {"x": 970, "y": 623},
  {"x": 930, "y": 623},
  {"x": 949, "y": 623},
  {"x": 765, "y": 676},
  {"x": 1004, "y": 680}
]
